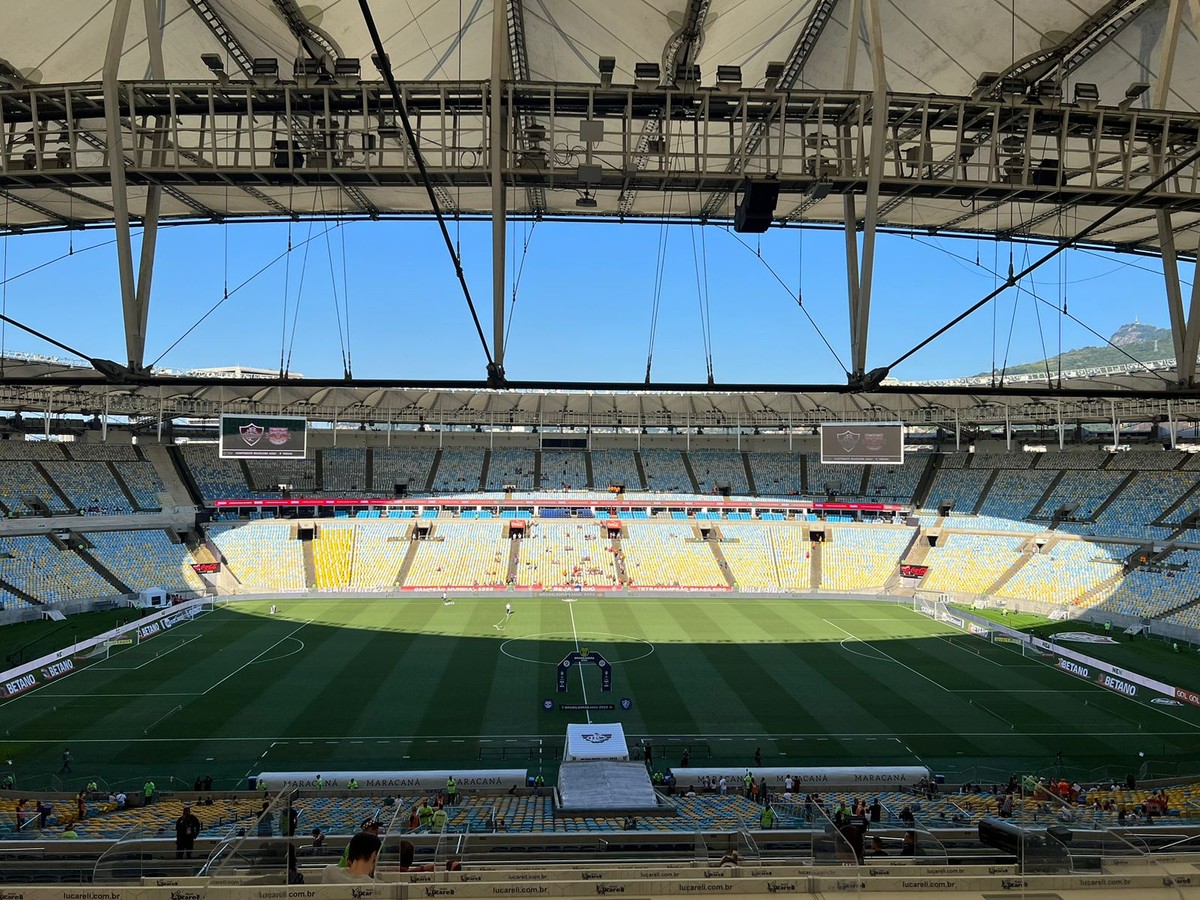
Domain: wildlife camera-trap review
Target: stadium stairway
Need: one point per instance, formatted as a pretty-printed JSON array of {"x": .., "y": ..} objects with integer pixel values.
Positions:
[
  {"x": 924, "y": 483},
  {"x": 319, "y": 468},
  {"x": 537, "y": 468},
  {"x": 409, "y": 555},
  {"x": 81, "y": 546},
  {"x": 310, "y": 564},
  {"x": 175, "y": 474},
  {"x": 17, "y": 592},
  {"x": 1100, "y": 591},
  {"x": 61, "y": 494},
  {"x": 641, "y": 470},
  {"x": 987, "y": 487},
  {"x": 124, "y": 488},
  {"x": 514, "y": 561},
  {"x": 433, "y": 470},
  {"x": 691, "y": 473},
  {"x": 714, "y": 542},
  {"x": 1047, "y": 494},
  {"x": 815, "y": 576},
  {"x": 483, "y": 474},
  {"x": 1027, "y": 551},
  {"x": 749, "y": 473},
  {"x": 1108, "y": 501},
  {"x": 1189, "y": 494},
  {"x": 587, "y": 464}
]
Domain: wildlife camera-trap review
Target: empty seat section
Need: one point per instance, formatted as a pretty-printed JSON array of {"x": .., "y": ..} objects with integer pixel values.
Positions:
[
  {"x": 776, "y": 474},
  {"x": 669, "y": 555},
  {"x": 459, "y": 471},
  {"x": 560, "y": 555},
  {"x": 145, "y": 559},
  {"x": 715, "y": 469},
  {"x": 36, "y": 566},
  {"x": 333, "y": 556},
  {"x": 263, "y": 555},
  {"x": 217, "y": 479},
  {"x": 861, "y": 557},
  {"x": 829, "y": 478},
  {"x": 90, "y": 486},
  {"x": 1063, "y": 572},
  {"x": 143, "y": 483},
  {"x": 344, "y": 470},
  {"x": 19, "y": 480},
  {"x": 511, "y": 466},
  {"x": 461, "y": 554},
  {"x": 611, "y": 467},
  {"x": 665, "y": 470},
  {"x": 564, "y": 470},
  {"x": 391, "y": 467},
  {"x": 969, "y": 563},
  {"x": 766, "y": 557}
]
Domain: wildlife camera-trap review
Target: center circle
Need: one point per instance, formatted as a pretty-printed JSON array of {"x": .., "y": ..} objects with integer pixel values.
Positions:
[{"x": 571, "y": 639}]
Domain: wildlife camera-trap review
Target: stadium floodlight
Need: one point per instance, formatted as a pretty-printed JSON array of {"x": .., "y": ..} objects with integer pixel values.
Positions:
[
  {"x": 1013, "y": 86},
  {"x": 984, "y": 85},
  {"x": 265, "y": 70},
  {"x": 307, "y": 71},
  {"x": 1049, "y": 92},
  {"x": 586, "y": 202},
  {"x": 1133, "y": 92},
  {"x": 607, "y": 66},
  {"x": 347, "y": 71},
  {"x": 213, "y": 61},
  {"x": 775, "y": 72},
  {"x": 1087, "y": 94},
  {"x": 729, "y": 78},
  {"x": 382, "y": 63},
  {"x": 647, "y": 75},
  {"x": 819, "y": 190}
]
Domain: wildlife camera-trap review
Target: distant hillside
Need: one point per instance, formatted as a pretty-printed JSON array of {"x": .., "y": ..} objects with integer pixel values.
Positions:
[{"x": 1141, "y": 341}]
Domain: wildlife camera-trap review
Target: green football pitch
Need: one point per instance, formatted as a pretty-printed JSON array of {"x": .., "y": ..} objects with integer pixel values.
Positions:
[{"x": 408, "y": 683}]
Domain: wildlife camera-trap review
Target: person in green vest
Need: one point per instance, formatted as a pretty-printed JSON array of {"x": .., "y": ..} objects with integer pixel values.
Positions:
[
  {"x": 538, "y": 783},
  {"x": 451, "y": 790},
  {"x": 1108, "y": 627},
  {"x": 1175, "y": 646},
  {"x": 148, "y": 790},
  {"x": 657, "y": 778},
  {"x": 425, "y": 813},
  {"x": 766, "y": 819},
  {"x": 748, "y": 781},
  {"x": 320, "y": 782},
  {"x": 352, "y": 784},
  {"x": 92, "y": 787},
  {"x": 440, "y": 818}
]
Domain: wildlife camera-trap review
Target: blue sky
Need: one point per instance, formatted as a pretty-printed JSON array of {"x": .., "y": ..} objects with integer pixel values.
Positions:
[{"x": 583, "y": 306}]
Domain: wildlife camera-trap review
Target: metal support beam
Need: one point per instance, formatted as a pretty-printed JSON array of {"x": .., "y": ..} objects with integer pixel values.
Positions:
[
  {"x": 860, "y": 319},
  {"x": 135, "y": 331},
  {"x": 116, "y": 165},
  {"x": 499, "y": 195}
]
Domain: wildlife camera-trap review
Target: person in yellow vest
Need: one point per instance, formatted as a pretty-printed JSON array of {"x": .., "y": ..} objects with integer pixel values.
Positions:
[
  {"x": 425, "y": 814},
  {"x": 440, "y": 818},
  {"x": 352, "y": 784},
  {"x": 451, "y": 790}
]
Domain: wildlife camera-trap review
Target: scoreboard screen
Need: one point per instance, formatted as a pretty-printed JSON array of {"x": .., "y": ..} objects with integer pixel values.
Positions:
[
  {"x": 263, "y": 437},
  {"x": 859, "y": 443}
]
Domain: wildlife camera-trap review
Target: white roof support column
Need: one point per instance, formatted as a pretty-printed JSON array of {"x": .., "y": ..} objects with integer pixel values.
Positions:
[
  {"x": 879, "y": 101},
  {"x": 849, "y": 212},
  {"x": 500, "y": 53},
  {"x": 116, "y": 165},
  {"x": 137, "y": 348},
  {"x": 1185, "y": 328}
]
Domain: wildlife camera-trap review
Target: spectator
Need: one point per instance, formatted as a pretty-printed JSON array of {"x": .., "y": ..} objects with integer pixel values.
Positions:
[
  {"x": 318, "y": 839},
  {"x": 362, "y": 854},
  {"x": 70, "y": 834},
  {"x": 877, "y": 846},
  {"x": 187, "y": 829},
  {"x": 148, "y": 791},
  {"x": 407, "y": 853}
]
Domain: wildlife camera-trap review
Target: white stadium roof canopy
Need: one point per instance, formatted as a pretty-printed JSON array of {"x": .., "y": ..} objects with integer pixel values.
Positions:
[{"x": 1039, "y": 120}]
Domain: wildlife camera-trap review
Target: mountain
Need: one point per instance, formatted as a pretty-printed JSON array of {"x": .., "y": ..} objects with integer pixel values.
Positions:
[{"x": 1141, "y": 341}]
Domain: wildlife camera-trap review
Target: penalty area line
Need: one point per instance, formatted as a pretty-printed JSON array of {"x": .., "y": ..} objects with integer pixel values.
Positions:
[{"x": 257, "y": 656}]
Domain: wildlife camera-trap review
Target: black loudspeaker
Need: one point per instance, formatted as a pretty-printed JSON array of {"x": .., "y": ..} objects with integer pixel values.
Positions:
[{"x": 756, "y": 205}]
